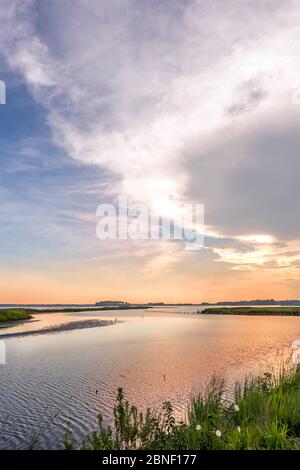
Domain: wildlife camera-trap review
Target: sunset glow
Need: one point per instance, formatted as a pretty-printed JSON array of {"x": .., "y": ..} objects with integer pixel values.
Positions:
[{"x": 202, "y": 114}]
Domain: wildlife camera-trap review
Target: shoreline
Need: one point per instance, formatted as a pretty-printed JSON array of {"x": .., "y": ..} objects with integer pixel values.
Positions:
[
  {"x": 64, "y": 327},
  {"x": 13, "y": 323},
  {"x": 10, "y": 317}
]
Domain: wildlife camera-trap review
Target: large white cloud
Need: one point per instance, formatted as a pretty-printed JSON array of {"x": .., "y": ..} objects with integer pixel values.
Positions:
[{"x": 147, "y": 89}]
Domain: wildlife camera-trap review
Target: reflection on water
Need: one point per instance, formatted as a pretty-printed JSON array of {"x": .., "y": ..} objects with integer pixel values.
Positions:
[{"x": 51, "y": 380}]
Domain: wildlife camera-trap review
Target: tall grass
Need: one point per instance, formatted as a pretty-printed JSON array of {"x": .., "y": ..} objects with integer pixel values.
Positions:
[
  {"x": 265, "y": 414},
  {"x": 13, "y": 314}
]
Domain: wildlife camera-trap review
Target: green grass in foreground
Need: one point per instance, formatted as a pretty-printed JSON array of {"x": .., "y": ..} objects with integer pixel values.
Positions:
[
  {"x": 264, "y": 415},
  {"x": 286, "y": 311},
  {"x": 13, "y": 314}
]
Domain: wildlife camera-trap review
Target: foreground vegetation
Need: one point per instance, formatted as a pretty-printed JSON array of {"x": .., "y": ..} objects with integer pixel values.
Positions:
[
  {"x": 286, "y": 311},
  {"x": 265, "y": 414},
  {"x": 14, "y": 314}
]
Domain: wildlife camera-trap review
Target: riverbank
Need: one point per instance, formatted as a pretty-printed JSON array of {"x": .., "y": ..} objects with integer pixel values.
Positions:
[
  {"x": 285, "y": 311},
  {"x": 265, "y": 415}
]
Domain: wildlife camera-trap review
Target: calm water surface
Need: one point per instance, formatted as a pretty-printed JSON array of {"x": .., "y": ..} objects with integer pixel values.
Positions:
[{"x": 50, "y": 381}]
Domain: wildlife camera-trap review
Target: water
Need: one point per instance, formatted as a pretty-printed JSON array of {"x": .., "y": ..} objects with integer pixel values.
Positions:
[{"x": 50, "y": 381}]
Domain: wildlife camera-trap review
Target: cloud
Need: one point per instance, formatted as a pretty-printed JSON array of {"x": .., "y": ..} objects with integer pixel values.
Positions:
[
  {"x": 249, "y": 182},
  {"x": 172, "y": 98},
  {"x": 251, "y": 95},
  {"x": 131, "y": 97}
]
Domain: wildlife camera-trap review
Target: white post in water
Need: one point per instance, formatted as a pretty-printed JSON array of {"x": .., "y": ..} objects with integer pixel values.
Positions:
[
  {"x": 2, "y": 352},
  {"x": 2, "y": 92}
]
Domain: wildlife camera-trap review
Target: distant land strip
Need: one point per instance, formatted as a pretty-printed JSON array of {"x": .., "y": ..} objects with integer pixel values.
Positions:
[
  {"x": 9, "y": 315},
  {"x": 272, "y": 311}
]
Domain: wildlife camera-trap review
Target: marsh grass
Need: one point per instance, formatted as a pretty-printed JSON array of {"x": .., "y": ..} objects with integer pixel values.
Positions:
[
  {"x": 272, "y": 311},
  {"x": 264, "y": 414},
  {"x": 14, "y": 314}
]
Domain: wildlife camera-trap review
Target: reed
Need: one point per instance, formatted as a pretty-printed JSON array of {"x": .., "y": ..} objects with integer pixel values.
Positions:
[{"x": 264, "y": 414}]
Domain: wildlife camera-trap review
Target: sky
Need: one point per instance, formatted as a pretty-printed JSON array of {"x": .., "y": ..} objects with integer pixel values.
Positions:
[{"x": 195, "y": 101}]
